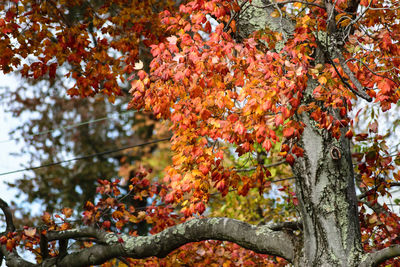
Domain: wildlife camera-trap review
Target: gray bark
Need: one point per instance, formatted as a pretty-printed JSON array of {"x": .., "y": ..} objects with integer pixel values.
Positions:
[
  {"x": 328, "y": 203},
  {"x": 260, "y": 239}
]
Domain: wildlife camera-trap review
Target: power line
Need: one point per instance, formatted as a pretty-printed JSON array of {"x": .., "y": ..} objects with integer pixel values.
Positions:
[
  {"x": 87, "y": 156},
  {"x": 68, "y": 127}
]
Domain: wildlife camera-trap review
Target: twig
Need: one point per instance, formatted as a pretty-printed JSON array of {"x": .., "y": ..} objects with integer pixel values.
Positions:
[
  {"x": 359, "y": 17},
  {"x": 124, "y": 261},
  {"x": 373, "y": 72},
  {"x": 360, "y": 89},
  {"x": 234, "y": 16},
  {"x": 265, "y": 166},
  {"x": 373, "y": 190}
]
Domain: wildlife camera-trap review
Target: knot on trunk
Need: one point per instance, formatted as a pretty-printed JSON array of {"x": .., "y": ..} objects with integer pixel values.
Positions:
[{"x": 335, "y": 153}]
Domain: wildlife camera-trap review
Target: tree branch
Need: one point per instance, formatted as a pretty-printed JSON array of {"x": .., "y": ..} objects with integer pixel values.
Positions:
[
  {"x": 264, "y": 166},
  {"x": 259, "y": 239},
  {"x": 361, "y": 93},
  {"x": 11, "y": 257},
  {"x": 44, "y": 249},
  {"x": 7, "y": 213},
  {"x": 360, "y": 89},
  {"x": 373, "y": 190},
  {"x": 377, "y": 257},
  {"x": 294, "y": 226}
]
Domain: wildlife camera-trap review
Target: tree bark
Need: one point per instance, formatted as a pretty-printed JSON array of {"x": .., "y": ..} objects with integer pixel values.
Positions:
[
  {"x": 327, "y": 199},
  {"x": 260, "y": 239},
  {"x": 324, "y": 176}
]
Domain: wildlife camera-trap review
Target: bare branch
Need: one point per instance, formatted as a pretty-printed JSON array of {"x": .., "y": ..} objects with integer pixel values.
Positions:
[
  {"x": 260, "y": 239},
  {"x": 75, "y": 234},
  {"x": 62, "y": 248},
  {"x": 265, "y": 166},
  {"x": 377, "y": 257}
]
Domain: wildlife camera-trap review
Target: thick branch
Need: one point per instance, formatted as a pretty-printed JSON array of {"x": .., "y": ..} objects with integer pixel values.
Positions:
[
  {"x": 286, "y": 225},
  {"x": 377, "y": 257},
  {"x": 75, "y": 234},
  {"x": 259, "y": 239}
]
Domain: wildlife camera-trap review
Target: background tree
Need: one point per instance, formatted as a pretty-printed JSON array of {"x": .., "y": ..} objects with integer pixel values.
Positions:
[
  {"x": 242, "y": 85},
  {"x": 55, "y": 129}
]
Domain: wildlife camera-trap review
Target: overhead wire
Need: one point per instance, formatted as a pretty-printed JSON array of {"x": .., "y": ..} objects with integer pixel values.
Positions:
[
  {"x": 68, "y": 127},
  {"x": 86, "y": 156}
]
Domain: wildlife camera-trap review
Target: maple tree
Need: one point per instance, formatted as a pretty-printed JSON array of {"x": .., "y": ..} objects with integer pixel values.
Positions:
[{"x": 251, "y": 90}]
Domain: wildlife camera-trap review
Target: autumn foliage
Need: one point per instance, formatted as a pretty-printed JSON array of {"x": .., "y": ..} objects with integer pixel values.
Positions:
[{"x": 234, "y": 103}]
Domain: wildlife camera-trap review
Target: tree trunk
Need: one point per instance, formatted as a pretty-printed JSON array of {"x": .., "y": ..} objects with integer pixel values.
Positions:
[
  {"x": 327, "y": 199},
  {"x": 324, "y": 176}
]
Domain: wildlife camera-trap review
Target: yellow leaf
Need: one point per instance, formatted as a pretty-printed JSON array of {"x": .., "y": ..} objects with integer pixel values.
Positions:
[
  {"x": 188, "y": 177},
  {"x": 67, "y": 212},
  {"x": 297, "y": 5},
  {"x": 111, "y": 99},
  {"x": 197, "y": 173},
  {"x": 345, "y": 22},
  {"x": 275, "y": 14},
  {"x": 305, "y": 19},
  {"x": 322, "y": 80}
]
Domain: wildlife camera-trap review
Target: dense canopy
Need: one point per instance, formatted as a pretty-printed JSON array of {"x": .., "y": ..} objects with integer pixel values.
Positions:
[{"x": 276, "y": 116}]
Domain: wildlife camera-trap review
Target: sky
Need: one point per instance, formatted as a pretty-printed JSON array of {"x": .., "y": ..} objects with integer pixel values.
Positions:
[{"x": 7, "y": 146}]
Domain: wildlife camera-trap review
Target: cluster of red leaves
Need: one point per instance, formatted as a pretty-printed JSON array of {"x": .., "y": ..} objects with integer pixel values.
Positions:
[
  {"x": 212, "y": 88},
  {"x": 160, "y": 216},
  {"x": 111, "y": 212},
  {"x": 29, "y": 237},
  {"x": 212, "y": 253},
  {"x": 98, "y": 41},
  {"x": 379, "y": 170}
]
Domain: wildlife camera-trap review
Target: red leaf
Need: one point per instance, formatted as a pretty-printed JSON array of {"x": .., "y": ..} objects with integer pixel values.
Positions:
[
  {"x": 288, "y": 132},
  {"x": 349, "y": 134},
  {"x": 290, "y": 159},
  {"x": 106, "y": 224},
  {"x": 52, "y": 70},
  {"x": 200, "y": 207},
  {"x": 267, "y": 145},
  {"x": 278, "y": 120}
]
